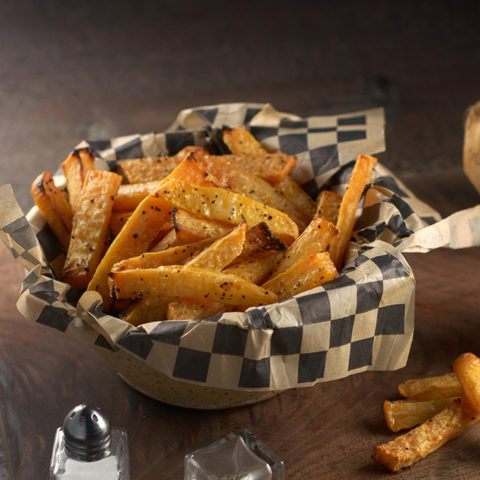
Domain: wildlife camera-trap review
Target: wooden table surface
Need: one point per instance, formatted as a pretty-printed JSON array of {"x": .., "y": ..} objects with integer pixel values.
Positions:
[
  {"x": 103, "y": 69},
  {"x": 326, "y": 431}
]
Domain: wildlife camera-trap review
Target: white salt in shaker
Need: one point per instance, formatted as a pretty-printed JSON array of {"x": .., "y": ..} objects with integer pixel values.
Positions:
[{"x": 86, "y": 448}]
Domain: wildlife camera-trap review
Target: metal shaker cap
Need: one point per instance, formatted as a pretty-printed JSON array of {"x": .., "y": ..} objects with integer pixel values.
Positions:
[{"x": 87, "y": 433}]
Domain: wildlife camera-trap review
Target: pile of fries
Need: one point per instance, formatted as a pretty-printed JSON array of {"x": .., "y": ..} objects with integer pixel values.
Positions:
[
  {"x": 195, "y": 234},
  {"x": 442, "y": 407}
]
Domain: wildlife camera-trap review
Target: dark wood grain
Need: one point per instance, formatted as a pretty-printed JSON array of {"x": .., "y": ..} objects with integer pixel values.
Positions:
[
  {"x": 327, "y": 431},
  {"x": 102, "y": 69}
]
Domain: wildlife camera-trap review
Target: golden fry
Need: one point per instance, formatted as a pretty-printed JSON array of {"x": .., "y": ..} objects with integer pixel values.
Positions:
[
  {"x": 54, "y": 207},
  {"x": 252, "y": 186},
  {"x": 183, "y": 281},
  {"x": 304, "y": 275},
  {"x": 145, "y": 311},
  {"x": 171, "y": 256},
  {"x": 190, "y": 227},
  {"x": 328, "y": 206},
  {"x": 256, "y": 268},
  {"x": 75, "y": 169},
  {"x": 215, "y": 257},
  {"x": 467, "y": 368},
  {"x": 314, "y": 239},
  {"x": 241, "y": 141},
  {"x": 134, "y": 238},
  {"x": 90, "y": 227},
  {"x": 403, "y": 414},
  {"x": 346, "y": 216},
  {"x": 118, "y": 220},
  {"x": 295, "y": 194},
  {"x": 416, "y": 444},
  {"x": 229, "y": 207},
  {"x": 431, "y": 387},
  {"x": 131, "y": 194}
]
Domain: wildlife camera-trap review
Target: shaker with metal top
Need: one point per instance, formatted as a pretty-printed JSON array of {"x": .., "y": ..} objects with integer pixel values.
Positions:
[{"x": 87, "y": 448}]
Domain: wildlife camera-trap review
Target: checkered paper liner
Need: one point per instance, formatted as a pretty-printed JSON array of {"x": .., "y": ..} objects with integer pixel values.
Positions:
[{"x": 362, "y": 320}]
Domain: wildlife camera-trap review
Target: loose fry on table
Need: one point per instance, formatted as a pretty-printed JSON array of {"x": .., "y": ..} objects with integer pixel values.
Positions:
[
  {"x": 190, "y": 227},
  {"x": 467, "y": 368},
  {"x": 247, "y": 183},
  {"x": 314, "y": 239},
  {"x": 427, "y": 437},
  {"x": 295, "y": 194},
  {"x": 403, "y": 414},
  {"x": 346, "y": 216},
  {"x": 75, "y": 169},
  {"x": 328, "y": 206},
  {"x": 241, "y": 141},
  {"x": 90, "y": 227},
  {"x": 183, "y": 281},
  {"x": 54, "y": 207},
  {"x": 171, "y": 256},
  {"x": 429, "y": 388},
  {"x": 304, "y": 275},
  {"x": 229, "y": 207}
]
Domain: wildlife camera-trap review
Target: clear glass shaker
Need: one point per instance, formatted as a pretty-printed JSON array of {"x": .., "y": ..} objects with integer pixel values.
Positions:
[{"x": 86, "y": 448}]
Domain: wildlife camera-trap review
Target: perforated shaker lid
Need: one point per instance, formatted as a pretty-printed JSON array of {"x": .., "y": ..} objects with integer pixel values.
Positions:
[{"x": 87, "y": 433}]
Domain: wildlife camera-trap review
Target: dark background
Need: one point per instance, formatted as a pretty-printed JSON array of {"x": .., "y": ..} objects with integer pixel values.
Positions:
[{"x": 75, "y": 70}]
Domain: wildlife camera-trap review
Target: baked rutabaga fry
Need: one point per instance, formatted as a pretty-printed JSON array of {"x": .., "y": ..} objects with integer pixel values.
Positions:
[
  {"x": 256, "y": 268},
  {"x": 171, "y": 256},
  {"x": 139, "y": 231},
  {"x": 328, "y": 206},
  {"x": 51, "y": 201},
  {"x": 229, "y": 207},
  {"x": 90, "y": 227},
  {"x": 240, "y": 141},
  {"x": 260, "y": 238},
  {"x": 151, "y": 168},
  {"x": 295, "y": 194},
  {"x": 190, "y": 227},
  {"x": 419, "y": 442},
  {"x": 134, "y": 238},
  {"x": 403, "y": 414},
  {"x": 346, "y": 215},
  {"x": 467, "y": 368},
  {"x": 246, "y": 183},
  {"x": 427, "y": 388},
  {"x": 304, "y": 275},
  {"x": 215, "y": 257},
  {"x": 314, "y": 239},
  {"x": 183, "y": 281},
  {"x": 75, "y": 169},
  {"x": 118, "y": 220}
]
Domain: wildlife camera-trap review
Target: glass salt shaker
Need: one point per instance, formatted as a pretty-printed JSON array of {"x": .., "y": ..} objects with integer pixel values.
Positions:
[
  {"x": 238, "y": 456},
  {"x": 86, "y": 448}
]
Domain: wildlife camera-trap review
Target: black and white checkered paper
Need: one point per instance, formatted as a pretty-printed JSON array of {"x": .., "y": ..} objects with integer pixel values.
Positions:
[{"x": 363, "y": 320}]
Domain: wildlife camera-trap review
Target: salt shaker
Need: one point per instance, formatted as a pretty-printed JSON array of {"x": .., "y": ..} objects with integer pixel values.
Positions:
[{"x": 86, "y": 448}]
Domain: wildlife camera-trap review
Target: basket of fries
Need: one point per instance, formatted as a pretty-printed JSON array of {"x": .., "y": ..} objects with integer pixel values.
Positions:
[{"x": 240, "y": 253}]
